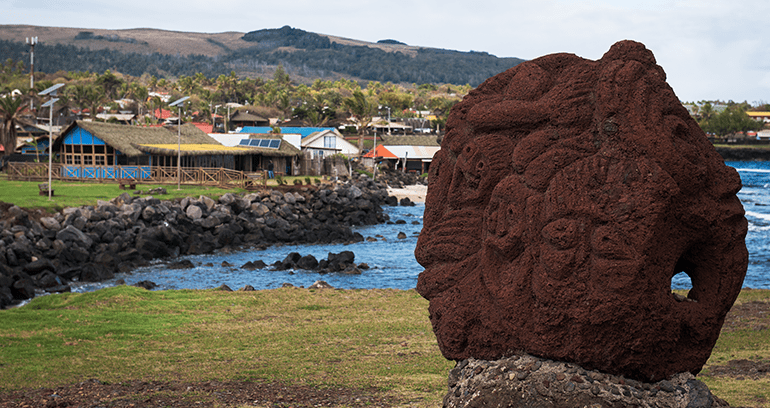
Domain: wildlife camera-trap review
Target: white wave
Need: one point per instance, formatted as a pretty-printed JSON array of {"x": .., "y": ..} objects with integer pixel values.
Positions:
[
  {"x": 757, "y": 228},
  {"x": 761, "y": 216},
  {"x": 754, "y": 170}
]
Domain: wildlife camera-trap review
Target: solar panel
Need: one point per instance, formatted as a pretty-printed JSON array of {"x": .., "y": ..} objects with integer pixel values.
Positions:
[{"x": 264, "y": 143}]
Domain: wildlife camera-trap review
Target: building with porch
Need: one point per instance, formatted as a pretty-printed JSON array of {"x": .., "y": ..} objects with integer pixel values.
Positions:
[{"x": 106, "y": 150}]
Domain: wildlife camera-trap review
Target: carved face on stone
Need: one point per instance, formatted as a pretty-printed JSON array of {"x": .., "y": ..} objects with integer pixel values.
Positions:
[{"x": 566, "y": 195}]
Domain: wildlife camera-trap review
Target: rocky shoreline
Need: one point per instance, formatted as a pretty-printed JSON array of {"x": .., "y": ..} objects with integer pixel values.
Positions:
[{"x": 42, "y": 253}]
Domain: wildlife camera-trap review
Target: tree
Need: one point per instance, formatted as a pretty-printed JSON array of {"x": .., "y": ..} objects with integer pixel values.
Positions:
[
  {"x": 10, "y": 109},
  {"x": 86, "y": 96},
  {"x": 362, "y": 109},
  {"x": 729, "y": 121},
  {"x": 109, "y": 83}
]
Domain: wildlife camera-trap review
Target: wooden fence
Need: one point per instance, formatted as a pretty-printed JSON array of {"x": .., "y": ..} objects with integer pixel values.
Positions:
[{"x": 145, "y": 174}]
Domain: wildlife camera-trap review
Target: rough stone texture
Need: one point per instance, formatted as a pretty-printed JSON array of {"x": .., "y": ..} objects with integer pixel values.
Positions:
[
  {"x": 527, "y": 381},
  {"x": 566, "y": 194}
]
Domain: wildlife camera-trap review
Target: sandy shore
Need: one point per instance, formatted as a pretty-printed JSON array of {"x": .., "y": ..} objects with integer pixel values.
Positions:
[{"x": 416, "y": 193}]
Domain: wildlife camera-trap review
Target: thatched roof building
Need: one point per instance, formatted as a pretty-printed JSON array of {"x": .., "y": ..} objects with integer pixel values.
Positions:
[
  {"x": 105, "y": 144},
  {"x": 127, "y": 139}
]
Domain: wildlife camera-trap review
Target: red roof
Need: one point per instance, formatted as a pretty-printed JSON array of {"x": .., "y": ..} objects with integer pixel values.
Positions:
[
  {"x": 381, "y": 152},
  {"x": 206, "y": 127},
  {"x": 161, "y": 113}
]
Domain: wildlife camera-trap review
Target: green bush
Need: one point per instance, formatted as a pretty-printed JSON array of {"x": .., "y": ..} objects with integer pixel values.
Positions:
[{"x": 368, "y": 173}]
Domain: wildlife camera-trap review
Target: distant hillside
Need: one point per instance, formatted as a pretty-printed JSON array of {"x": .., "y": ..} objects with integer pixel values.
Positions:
[{"x": 254, "y": 54}]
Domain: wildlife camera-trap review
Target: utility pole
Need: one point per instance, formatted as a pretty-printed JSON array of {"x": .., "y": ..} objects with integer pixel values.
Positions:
[{"x": 32, "y": 41}]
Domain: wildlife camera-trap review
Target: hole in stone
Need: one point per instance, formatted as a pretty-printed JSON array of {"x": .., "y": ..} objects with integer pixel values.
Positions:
[{"x": 681, "y": 281}]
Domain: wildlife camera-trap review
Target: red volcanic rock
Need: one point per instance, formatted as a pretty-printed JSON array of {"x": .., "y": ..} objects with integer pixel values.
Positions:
[{"x": 566, "y": 194}]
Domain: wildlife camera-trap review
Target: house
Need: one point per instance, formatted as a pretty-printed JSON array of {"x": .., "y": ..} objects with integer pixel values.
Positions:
[
  {"x": 204, "y": 127},
  {"x": 125, "y": 118},
  {"x": 243, "y": 118},
  {"x": 760, "y": 116},
  {"x": 383, "y": 126},
  {"x": 303, "y": 131},
  {"x": 162, "y": 114},
  {"x": 414, "y": 153},
  {"x": 37, "y": 146},
  {"x": 326, "y": 143},
  {"x": 62, "y": 117},
  {"x": 96, "y": 150},
  {"x": 273, "y": 148},
  {"x": 378, "y": 154}
]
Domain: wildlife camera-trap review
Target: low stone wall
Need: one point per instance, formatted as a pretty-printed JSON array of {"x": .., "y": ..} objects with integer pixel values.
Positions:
[
  {"x": 92, "y": 243},
  {"x": 743, "y": 154}
]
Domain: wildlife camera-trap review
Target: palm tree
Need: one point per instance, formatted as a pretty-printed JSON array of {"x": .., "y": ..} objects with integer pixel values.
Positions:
[
  {"x": 10, "y": 109},
  {"x": 86, "y": 96},
  {"x": 362, "y": 110}
]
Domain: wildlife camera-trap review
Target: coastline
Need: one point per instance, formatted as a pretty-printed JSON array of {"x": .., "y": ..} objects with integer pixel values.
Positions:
[{"x": 416, "y": 193}]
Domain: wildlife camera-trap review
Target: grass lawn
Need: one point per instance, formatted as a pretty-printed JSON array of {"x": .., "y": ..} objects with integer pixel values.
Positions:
[
  {"x": 75, "y": 194},
  {"x": 330, "y": 338}
]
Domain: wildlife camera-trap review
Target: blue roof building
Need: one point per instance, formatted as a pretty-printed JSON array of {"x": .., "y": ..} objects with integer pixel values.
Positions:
[{"x": 301, "y": 130}]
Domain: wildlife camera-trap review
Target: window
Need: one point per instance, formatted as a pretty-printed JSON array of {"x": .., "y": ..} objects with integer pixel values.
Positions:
[
  {"x": 330, "y": 142},
  {"x": 68, "y": 159},
  {"x": 99, "y": 160},
  {"x": 76, "y": 159},
  {"x": 88, "y": 160}
]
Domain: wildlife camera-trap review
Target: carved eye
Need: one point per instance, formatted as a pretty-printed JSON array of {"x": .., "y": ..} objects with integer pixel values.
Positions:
[{"x": 562, "y": 233}]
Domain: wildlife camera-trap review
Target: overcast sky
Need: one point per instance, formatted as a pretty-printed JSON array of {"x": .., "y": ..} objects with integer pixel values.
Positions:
[{"x": 710, "y": 49}]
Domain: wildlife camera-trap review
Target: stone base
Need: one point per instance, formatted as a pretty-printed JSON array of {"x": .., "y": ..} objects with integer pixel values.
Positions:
[{"x": 528, "y": 381}]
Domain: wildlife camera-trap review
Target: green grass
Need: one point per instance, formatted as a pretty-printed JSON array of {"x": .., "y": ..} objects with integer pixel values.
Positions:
[
  {"x": 349, "y": 338},
  {"x": 738, "y": 146},
  {"x": 331, "y": 338},
  {"x": 74, "y": 194},
  {"x": 68, "y": 194},
  {"x": 748, "y": 339}
]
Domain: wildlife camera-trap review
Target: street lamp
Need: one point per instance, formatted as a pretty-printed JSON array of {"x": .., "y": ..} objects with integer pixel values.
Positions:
[
  {"x": 31, "y": 41},
  {"x": 179, "y": 103},
  {"x": 52, "y": 92}
]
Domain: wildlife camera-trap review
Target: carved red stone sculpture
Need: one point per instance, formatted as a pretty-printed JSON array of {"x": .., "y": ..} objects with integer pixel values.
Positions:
[{"x": 566, "y": 195}]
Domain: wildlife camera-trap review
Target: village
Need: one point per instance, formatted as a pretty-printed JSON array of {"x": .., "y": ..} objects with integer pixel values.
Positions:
[{"x": 118, "y": 149}]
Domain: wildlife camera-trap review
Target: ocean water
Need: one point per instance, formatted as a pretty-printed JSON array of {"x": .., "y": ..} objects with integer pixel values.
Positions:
[
  {"x": 391, "y": 260},
  {"x": 755, "y": 196}
]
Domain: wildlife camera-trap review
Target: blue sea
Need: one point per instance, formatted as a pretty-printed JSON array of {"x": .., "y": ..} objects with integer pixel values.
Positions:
[{"x": 391, "y": 260}]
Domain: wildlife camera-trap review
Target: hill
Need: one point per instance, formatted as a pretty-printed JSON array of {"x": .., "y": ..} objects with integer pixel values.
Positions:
[{"x": 254, "y": 54}]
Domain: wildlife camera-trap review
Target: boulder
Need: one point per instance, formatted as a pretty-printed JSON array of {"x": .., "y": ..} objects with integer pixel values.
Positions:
[
  {"x": 320, "y": 285},
  {"x": 50, "y": 223},
  {"x": 526, "y": 381},
  {"x": 565, "y": 195},
  {"x": 72, "y": 234},
  {"x": 194, "y": 212}
]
